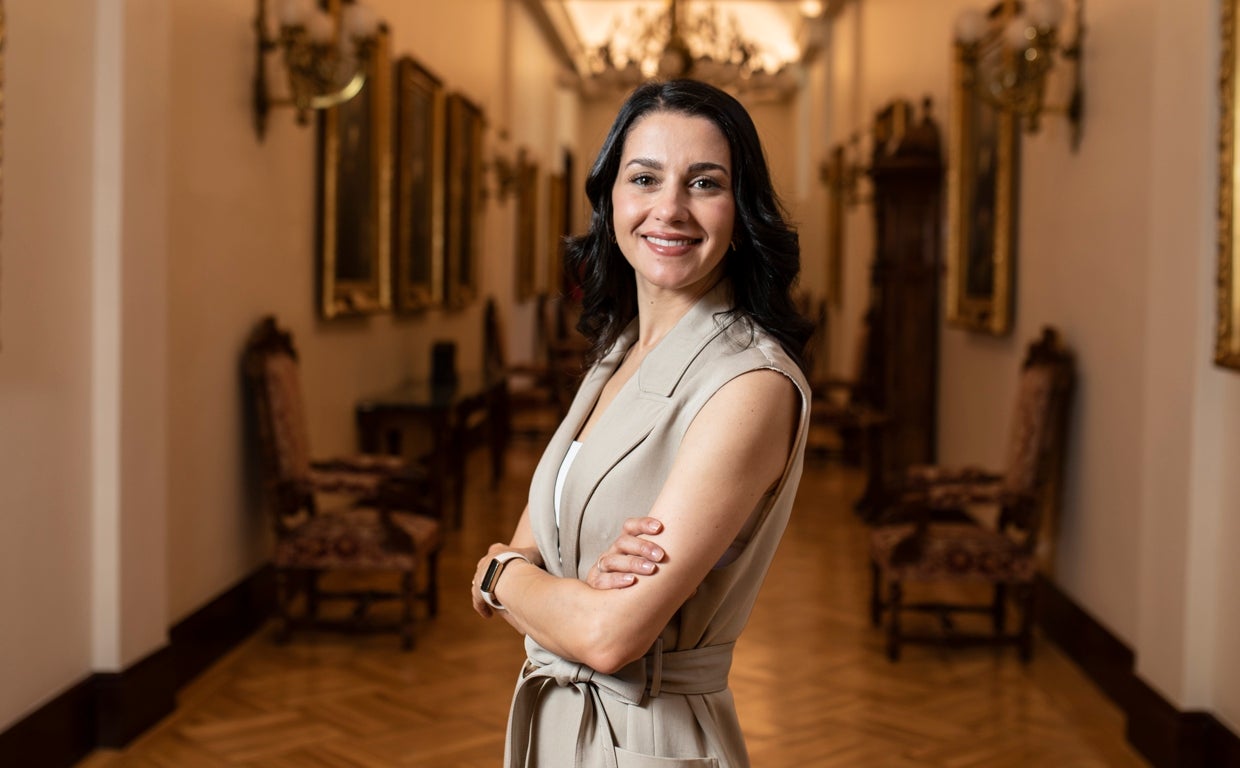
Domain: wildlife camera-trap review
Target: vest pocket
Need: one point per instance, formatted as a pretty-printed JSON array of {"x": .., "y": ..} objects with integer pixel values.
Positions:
[{"x": 627, "y": 759}]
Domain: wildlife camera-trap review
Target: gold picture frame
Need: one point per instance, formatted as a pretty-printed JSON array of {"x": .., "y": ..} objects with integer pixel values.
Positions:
[
  {"x": 355, "y": 170},
  {"x": 557, "y": 231},
  {"x": 463, "y": 201},
  {"x": 1227, "y": 326},
  {"x": 418, "y": 198},
  {"x": 527, "y": 226},
  {"x": 982, "y": 191},
  {"x": 833, "y": 172}
]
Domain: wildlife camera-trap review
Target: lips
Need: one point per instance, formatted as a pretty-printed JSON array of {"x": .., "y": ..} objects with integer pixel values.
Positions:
[{"x": 672, "y": 242}]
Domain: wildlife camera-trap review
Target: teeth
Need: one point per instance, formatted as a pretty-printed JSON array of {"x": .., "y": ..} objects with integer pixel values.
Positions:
[{"x": 669, "y": 243}]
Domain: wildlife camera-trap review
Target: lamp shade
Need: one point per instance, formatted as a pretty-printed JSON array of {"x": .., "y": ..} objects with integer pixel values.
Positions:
[
  {"x": 1016, "y": 34},
  {"x": 320, "y": 27},
  {"x": 294, "y": 13},
  {"x": 970, "y": 26},
  {"x": 1045, "y": 14},
  {"x": 359, "y": 21}
]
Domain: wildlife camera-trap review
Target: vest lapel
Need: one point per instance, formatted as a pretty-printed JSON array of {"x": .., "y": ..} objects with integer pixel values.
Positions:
[{"x": 638, "y": 407}]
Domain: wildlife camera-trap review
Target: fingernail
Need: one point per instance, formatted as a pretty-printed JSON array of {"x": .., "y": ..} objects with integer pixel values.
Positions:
[
  {"x": 628, "y": 578},
  {"x": 656, "y": 553},
  {"x": 647, "y": 566}
]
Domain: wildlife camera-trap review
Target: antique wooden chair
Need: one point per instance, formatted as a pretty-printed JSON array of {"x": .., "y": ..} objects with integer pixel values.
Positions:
[
  {"x": 527, "y": 386},
  {"x": 928, "y": 547},
  {"x": 843, "y": 407},
  {"x": 385, "y": 520},
  {"x": 547, "y": 383}
]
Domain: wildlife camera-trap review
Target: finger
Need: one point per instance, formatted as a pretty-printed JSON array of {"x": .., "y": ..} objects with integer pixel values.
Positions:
[
  {"x": 636, "y": 526},
  {"x": 610, "y": 580},
  {"x": 632, "y": 545},
  {"x": 615, "y": 563}
]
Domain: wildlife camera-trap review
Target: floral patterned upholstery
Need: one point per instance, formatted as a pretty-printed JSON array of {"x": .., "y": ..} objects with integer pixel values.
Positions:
[
  {"x": 362, "y": 473},
  {"x": 951, "y": 551},
  {"x": 388, "y": 521},
  {"x": 359, "y": 539},
  {"x": 922, "y": 548}
]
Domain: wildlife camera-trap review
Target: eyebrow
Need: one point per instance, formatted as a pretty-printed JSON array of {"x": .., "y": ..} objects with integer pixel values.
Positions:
[{"x": 701, "y": 167}]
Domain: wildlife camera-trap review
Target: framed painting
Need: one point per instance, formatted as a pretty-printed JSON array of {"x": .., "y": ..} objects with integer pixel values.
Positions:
[
  {"x": 463, "y": 201},
  {"x": 355, "y": 194},
  {"x": 418, "y": 197},
  {"x": 527, "y": 226},
  {"x": 834, "y": 171},
  {"x": 982, "y": 180},
  {"x": 557, "y": 230},
  {"x": 1227, "y": 325}
]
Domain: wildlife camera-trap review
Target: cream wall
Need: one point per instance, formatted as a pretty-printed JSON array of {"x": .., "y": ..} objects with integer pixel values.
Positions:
[
  {"x": 146, "y": 229},
  {"x": 1115, "y": 248},
  {"x": 45, "y": 352}
]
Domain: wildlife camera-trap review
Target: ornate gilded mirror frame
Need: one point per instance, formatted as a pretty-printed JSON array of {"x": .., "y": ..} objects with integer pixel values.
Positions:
[
  {"x": 981, "y": 232},
  {"x": 1227, "y": 335}
]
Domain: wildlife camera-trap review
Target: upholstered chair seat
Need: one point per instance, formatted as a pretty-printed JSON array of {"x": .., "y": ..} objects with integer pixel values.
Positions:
[
  {"x": 385, "y": 517},
  {"x": 967, "y": 524}
]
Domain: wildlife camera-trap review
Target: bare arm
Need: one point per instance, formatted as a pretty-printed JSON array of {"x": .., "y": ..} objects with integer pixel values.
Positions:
[{"x": 724, "y": 466}]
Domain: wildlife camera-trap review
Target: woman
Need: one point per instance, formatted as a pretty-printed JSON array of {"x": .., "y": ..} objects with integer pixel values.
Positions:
[{"x": 690, "y": 424}]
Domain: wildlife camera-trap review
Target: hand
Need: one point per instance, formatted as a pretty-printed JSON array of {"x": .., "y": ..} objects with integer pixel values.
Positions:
[
  {"x": 480, "y": 606},
  {"x": 629, "y": 556}
]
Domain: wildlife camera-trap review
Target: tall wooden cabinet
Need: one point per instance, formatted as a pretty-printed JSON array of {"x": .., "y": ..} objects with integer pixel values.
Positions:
[{"x": 907, "y": 175}]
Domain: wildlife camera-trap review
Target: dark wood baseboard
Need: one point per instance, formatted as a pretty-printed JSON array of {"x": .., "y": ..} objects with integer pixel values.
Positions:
[
  {"x": 60, "y": 733},
  {"x": 110, "y": 709},
  {"x": 1164, "y": 735}
]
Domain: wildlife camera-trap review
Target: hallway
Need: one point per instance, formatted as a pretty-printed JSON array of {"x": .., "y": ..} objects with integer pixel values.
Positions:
[{"x": 812, "y": 684}]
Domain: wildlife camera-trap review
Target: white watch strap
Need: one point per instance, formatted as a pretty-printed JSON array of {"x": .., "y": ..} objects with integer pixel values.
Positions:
[{"x": 498, "y": 562}]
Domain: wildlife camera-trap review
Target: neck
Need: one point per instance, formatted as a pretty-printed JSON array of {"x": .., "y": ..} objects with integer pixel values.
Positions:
[{"x": 658, "y": 314}]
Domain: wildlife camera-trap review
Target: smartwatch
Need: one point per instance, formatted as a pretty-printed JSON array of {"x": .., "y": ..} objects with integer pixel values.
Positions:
[{"x": 492, "y": 577}]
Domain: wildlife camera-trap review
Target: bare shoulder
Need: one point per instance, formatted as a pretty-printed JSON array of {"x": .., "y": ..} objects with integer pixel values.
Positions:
[{"x": 753, "y": 408}]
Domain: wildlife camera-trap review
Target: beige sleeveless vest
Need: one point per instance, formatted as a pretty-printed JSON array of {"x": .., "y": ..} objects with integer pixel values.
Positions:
[{"x": 672, "y": 708}]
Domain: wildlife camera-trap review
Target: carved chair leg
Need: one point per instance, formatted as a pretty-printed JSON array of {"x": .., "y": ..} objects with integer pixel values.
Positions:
[
  {"x": 1025, "y": 595},
  {"x": 432, "y": 584},
  {"x": 284, "y": 596},
  {"x": 409, "y": 595},
  {"x": 894, "y": 600},
  {"x": 876, "y": 595},
  {"x": 312, "y": 595},
  {"x": 998, "y": 609}
]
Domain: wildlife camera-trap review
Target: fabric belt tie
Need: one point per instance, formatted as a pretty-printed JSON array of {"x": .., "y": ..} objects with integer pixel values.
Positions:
[{"x": 691, "y": 672}]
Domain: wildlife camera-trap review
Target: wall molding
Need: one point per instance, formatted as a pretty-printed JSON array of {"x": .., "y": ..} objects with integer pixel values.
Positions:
[
  {"x": 110, "y": 709},
  {"x": 1156, "y": 728}
]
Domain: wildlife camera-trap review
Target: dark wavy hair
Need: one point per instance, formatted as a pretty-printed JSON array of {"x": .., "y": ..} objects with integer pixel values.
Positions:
[{"x": 766, "y": 256}]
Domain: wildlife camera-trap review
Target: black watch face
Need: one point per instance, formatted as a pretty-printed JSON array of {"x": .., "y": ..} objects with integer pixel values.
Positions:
[{"x": 488, "y": 581}]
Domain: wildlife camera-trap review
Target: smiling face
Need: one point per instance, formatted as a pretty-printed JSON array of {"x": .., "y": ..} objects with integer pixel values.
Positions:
[{"x": 672, "y": 204}]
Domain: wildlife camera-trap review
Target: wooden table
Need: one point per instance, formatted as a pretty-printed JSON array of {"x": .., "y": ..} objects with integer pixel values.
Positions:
[{"x": 456, "y": 416}]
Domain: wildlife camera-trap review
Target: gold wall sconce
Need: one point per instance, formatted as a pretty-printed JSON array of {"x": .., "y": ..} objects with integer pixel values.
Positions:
[
  {"x": 325, "y": 54},
  {"x": 1010, "y": 52},
  {"x": 505, "y": 174},
  {"x": 844, "y": 170}
]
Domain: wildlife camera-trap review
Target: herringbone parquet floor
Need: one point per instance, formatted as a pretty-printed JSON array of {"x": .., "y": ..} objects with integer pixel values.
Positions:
[{"x": 810, "y": 678}]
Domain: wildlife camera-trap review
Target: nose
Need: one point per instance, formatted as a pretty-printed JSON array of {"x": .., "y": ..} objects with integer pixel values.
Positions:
[{"x": 670, "y": 206}]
